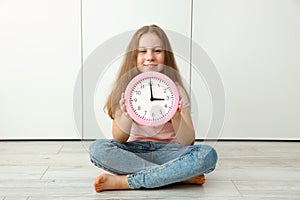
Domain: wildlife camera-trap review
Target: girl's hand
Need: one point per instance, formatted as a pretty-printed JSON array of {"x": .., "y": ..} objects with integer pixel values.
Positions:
[
  {"x": 179, "y": 104},
  {"x": 122, "y": 104},
  {"x": 177, "y": 114}
]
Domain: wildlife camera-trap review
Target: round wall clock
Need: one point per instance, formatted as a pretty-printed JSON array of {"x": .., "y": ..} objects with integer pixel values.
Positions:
[{"x": 151, "y": 99}]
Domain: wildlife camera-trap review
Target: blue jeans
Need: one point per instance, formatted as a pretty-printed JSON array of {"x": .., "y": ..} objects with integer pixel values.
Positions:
[{"x": 152, "y": 164}]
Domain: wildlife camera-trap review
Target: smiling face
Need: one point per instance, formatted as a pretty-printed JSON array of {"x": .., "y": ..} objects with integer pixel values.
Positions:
[{"x": 150, "y": 53}]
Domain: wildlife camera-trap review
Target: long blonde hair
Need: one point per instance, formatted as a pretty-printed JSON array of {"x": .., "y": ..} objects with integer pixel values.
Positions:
[{"x": 129, "y": 66}]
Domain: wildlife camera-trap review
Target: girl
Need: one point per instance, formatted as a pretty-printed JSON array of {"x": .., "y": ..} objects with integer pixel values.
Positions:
[{"x": 149, "y": 157}]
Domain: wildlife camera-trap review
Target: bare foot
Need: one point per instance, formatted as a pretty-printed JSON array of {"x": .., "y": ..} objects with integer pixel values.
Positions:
[
  {"x": 110, "y": 182},
  {"x": 199, "y": 180}
]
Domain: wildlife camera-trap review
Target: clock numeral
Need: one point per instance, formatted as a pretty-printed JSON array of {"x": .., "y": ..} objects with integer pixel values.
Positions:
[
  {"x": 135, "y": 99},
  {"x": 145, "y": 113},
  {"x": 139, "y": 108},
  {"x": 166, "y": 105},
  {"x": 167, "y": 97},
  {"x": 165, "y": 90},
  {"x": 138, "y": 92},
  {"x": 142, "y": 86}
]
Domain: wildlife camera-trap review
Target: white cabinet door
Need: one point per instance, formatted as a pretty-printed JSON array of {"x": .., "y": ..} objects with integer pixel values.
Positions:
[
  {"x": 255, "y": 47},
  {"x": 40, "y": 60},
  {"x": 104, "y": 42}
]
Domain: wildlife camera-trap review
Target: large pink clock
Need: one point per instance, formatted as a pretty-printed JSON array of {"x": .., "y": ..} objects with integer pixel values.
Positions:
[{"x": 151, "y": 99}]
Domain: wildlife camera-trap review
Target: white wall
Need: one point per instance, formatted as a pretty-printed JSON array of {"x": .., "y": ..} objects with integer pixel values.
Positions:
[
  {"x": 254, "y": 45},
  {"x": 40, "y": 59}
]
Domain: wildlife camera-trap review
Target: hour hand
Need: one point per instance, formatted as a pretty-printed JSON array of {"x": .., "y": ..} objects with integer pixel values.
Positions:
[{"x": 157, "y": 99}]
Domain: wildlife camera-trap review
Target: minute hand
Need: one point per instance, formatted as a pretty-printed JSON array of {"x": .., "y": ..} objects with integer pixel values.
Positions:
[{"x": 151, "y": 93}]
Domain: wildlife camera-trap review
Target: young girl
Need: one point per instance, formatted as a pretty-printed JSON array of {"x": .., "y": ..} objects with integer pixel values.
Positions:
[{"x": 149, "y": 157}]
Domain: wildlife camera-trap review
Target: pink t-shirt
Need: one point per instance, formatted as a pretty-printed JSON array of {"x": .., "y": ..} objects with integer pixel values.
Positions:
[{"x": 163, "y": 133}]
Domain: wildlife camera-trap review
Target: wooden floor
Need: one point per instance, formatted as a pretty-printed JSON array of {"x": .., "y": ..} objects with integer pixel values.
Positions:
[{"x": 62, "y": 170}]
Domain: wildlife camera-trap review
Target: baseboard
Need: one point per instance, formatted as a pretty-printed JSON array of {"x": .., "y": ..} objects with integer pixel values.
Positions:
[{"x": 197, "y": 140}]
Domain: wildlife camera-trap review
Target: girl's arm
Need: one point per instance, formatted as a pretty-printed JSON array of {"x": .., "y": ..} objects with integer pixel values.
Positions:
[
  {"x": 122, "y": 123},
  {"x": 183, "y": 126}
]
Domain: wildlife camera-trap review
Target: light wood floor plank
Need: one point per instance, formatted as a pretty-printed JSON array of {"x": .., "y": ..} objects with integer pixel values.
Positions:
[{"x": 62, "y": 170}]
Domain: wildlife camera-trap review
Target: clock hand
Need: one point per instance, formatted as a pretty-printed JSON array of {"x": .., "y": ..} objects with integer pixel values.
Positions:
[
  {"x": 151, "y": 98},
  {"x": 158, "y": 99}
]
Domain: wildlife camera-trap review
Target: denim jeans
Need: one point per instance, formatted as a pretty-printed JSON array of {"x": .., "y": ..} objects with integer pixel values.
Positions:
[{"x": 152, "y": 164}]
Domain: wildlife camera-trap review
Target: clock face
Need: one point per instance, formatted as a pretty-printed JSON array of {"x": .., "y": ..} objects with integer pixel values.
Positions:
[{"x": 151, "y": 98}]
